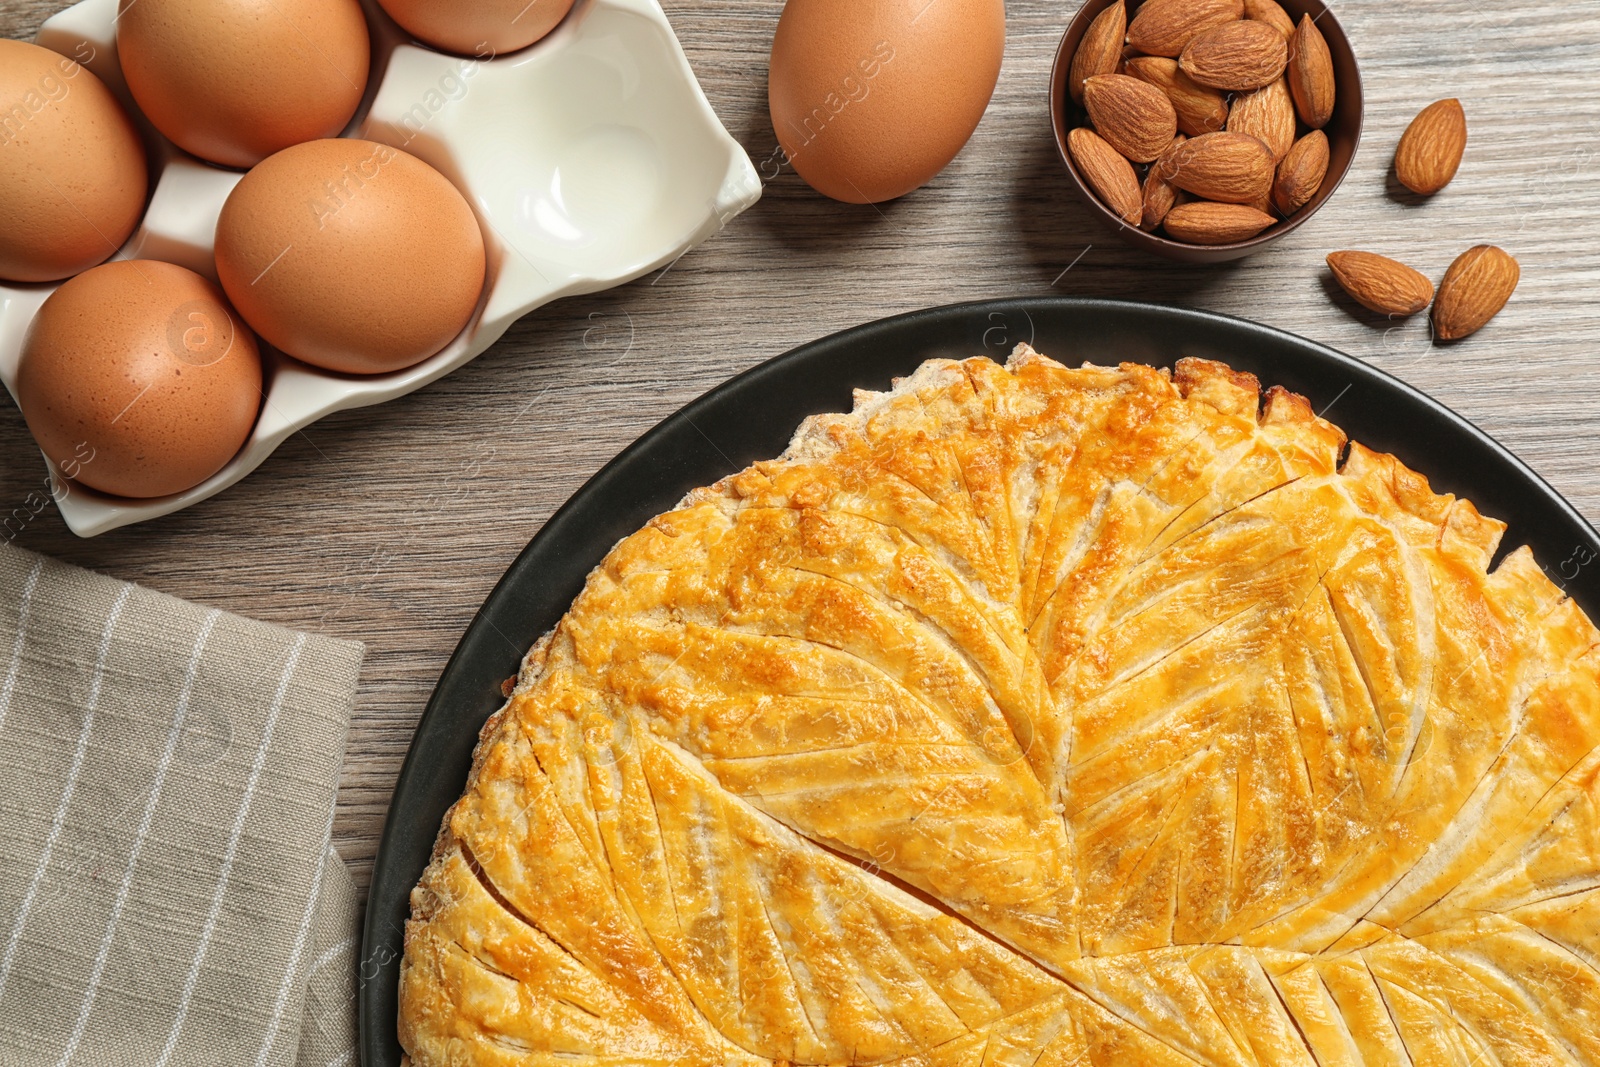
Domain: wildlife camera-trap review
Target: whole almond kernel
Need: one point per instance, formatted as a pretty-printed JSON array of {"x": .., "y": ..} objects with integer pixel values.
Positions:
[
  {"x": 1200, "y": 110},
  {"x": 1133, "y": 116},
  {"x": 1266, "y": 114},
  {"x": 1430, "y": 150},
  {"x": 1236, "y": 56},
  {"x": 1159, "y": 196},
  {"x": 1474, "y": 289},
  {"x": 1100, "y": 51},
  {"x": 1381, "y": 284},
  {"x": 1204, "y": 222},
  {"x": 1311, "y": 74},
  {"x": 1163, "y": 27},
  {"x": 1272, "y": 13},
  {"x": 1301, "y": 172},
  {"x": 1233, "y": 168},
  {"x": 1108, "y": 173}
]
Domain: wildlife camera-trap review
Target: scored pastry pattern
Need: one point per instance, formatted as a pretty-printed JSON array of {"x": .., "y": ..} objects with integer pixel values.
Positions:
[{"x": 1038, "y": 716}]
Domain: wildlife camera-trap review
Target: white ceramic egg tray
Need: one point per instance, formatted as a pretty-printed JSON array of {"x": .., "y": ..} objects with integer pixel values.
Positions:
[{"x": 591, "y": 158}]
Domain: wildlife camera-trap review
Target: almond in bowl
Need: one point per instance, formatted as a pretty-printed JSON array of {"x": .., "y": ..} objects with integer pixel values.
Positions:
[{"x": 1203, "y": 129}]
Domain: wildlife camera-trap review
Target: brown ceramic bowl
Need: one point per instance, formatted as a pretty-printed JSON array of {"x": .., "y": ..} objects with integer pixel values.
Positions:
[{"x": 1343, "y": 130}]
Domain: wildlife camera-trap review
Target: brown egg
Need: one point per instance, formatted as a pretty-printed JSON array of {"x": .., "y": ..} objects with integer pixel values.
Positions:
[
  {"x": 72, "y": 168},
  {"x": 136, "y": 379},
  {"x": 234, "y": 81},
  {"x": 351, "y": 255},
  {"x": 872, "y": 100},
  {"x": 479, "y": 28}
]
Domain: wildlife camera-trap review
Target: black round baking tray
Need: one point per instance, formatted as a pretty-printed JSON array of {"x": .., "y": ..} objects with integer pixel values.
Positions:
[{"x": 752, "y": 417}]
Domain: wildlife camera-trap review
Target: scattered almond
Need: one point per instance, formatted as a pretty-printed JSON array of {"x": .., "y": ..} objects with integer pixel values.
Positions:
[
  {"x": 1164, "y": 27},
  {"x": 1200, "y": 110},
  {"x": 1159, "y": 196},
  {"x": 1134, "y": 117},
  {"x": 1381, "y": 284},
  {"x": 1108, "y": 173},
  {"x": 1272, "y": 13},
  {"x": 1236, "y": 56},
  {"x": 1431, "y": 148},
  {"x": 1266, "y": 114},
  {"x": 1311, "y": 74},
  {"x": 1301, "y": 172},
  {"x": 1100, "y": 51},
  {"x": 1233, "y": 168},
  {"x": 1474, "y": 289},
  {"x": 1203, "y": 222}
]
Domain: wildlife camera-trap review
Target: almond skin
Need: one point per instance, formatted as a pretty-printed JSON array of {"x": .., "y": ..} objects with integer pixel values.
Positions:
[
  {"x": 1233, "y": 168},
  {"x": 1430, "y": 150},
  {"x": 1164, "y": 27},
  {"x": 1100, "y": 51},
  {"x": 1301, "y": 172},
  {"x": 1206, "y": 223},
  {"x": 1108, "y": 173},
  {"x": 1200, "y": 110},
  {"x": 1266, "y": 114},
  {"x": 1381, "y": 284},
  {"x": 1474, "y": 289},
  {"x": 1311, "y": 74},
  {"x": 1134, "y": 117},
  {"x": 1159, "y": 196},
  {"x": 1272, "y": 13},
  {"x": 1236, "y": 56}
]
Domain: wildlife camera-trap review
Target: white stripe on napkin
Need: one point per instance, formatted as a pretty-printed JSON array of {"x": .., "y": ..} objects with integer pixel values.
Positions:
[
  {"x": 328, "y": 955},
  {"x": 233, "y": 851},
  {"x": 291, "y": 972},
  {"x": 66, "y": 793},
  {"x": 26, "y": 601},
  {"x": 173, "y": 737}
]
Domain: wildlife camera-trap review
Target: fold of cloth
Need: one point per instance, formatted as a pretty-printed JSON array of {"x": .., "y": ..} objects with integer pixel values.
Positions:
[{"x": 168, "y": 893}]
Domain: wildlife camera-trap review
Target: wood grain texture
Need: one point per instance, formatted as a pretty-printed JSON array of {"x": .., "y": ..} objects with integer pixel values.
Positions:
[{"x": 390, "y": 524}]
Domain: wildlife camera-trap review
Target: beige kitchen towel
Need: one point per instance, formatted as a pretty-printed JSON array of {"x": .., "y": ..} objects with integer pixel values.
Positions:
[{"x": 168, "y": 893}]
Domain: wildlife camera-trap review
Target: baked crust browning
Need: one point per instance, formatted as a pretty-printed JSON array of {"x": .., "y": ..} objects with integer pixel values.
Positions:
[{"x": 1035, "y": 715}]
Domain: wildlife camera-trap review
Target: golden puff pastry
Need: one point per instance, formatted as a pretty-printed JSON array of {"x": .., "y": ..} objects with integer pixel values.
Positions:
[{"x": 1036, "y": 716}]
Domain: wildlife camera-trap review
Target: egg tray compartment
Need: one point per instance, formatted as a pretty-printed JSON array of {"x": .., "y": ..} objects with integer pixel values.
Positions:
[{"x": 590, "y": 158}]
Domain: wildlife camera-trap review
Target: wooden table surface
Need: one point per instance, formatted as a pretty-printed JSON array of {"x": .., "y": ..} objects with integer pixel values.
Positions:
[{"x": 389, "y": 525}]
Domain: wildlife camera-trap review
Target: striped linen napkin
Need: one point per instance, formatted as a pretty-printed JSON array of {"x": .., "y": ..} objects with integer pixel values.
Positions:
[{"x": 168, "y": 893}]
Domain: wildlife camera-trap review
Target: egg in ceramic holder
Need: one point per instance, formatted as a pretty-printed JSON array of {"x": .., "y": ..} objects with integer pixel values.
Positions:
[{"x": 590, "y": 158}]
